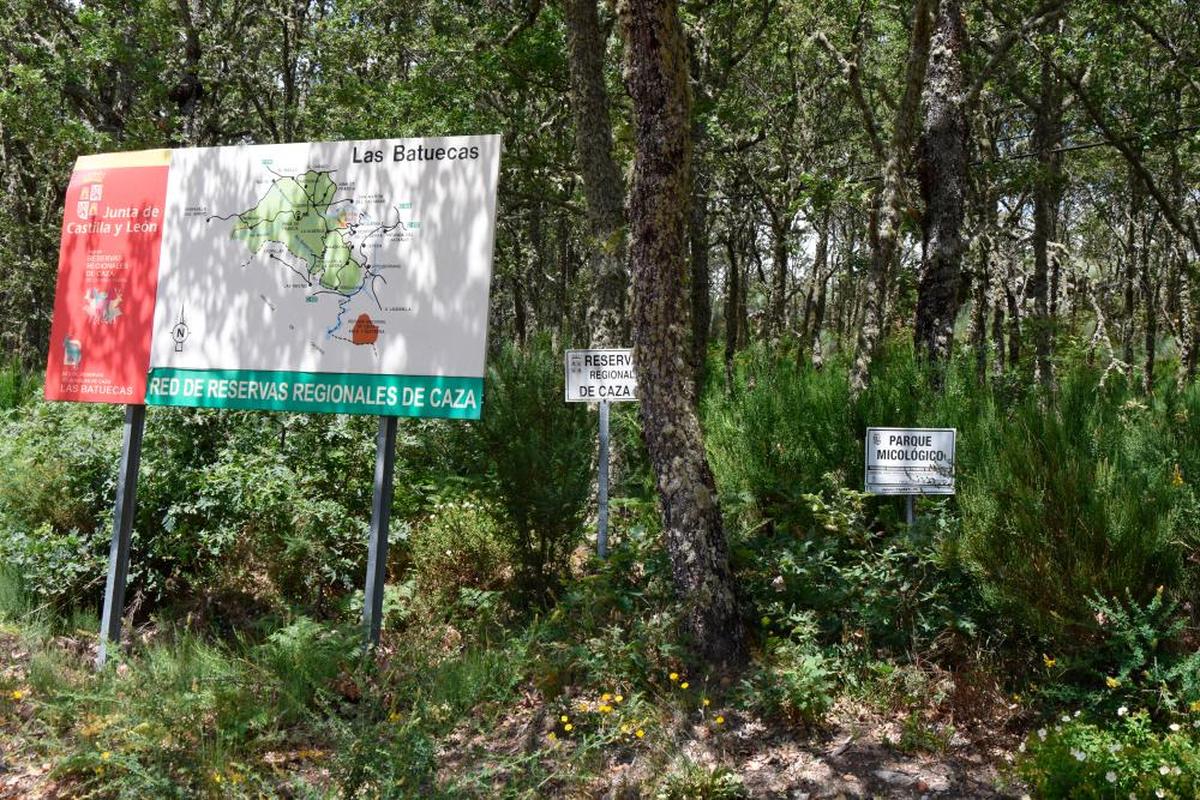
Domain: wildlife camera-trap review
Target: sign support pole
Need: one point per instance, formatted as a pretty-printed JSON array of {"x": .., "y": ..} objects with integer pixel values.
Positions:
[
  {"x": 377, "y": 545},
  {"x": 118, "y": 553},
  {"x": 910, "y": 514},
  {"x": 602, "y": 522}
]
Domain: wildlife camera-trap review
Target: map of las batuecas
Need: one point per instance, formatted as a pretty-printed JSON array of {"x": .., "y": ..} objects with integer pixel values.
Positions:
[
  {"x": 326, "y": 243},
  {"x": 344, "y": 257}
]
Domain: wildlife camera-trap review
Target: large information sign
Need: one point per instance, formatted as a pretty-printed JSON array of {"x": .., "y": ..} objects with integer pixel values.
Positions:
[
  {"x": 910, "y": 460},
  {"x": 596, "y": 375},
  {"x": 347, "y": 277}
]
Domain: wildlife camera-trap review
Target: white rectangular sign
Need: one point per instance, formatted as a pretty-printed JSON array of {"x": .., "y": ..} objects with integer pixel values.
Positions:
[
  {"x": 595, "y": 375},
  {"x": 910, "y": 460}
]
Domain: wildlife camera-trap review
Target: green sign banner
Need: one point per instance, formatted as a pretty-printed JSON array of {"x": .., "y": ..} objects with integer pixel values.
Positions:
[{"x": 323, "y": 392}]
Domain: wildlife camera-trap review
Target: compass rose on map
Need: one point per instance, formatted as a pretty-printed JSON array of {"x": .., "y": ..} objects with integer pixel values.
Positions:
[{"x": 179, "y": 333}]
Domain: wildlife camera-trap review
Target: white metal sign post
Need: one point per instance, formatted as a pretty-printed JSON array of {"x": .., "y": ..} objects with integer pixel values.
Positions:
[
  {"x": 910, "y": 461},
  {"x": 601, "y": 376}
]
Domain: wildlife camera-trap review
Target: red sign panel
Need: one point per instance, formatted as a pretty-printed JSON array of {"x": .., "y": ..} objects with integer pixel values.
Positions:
[{"x": 107, "y": 279}]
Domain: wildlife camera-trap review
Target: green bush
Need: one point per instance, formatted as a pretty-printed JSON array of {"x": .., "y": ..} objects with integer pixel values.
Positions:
[
  {"x": 461, "y": 546},
  {"x": 225, "y": 499},
  {"x": 538, "y": 455},
  {"x": 1063, "y": 502},
  {"x": 794, "y": 681},
  {"x": 878, "y": 588},
  {"x": 1127, "y": 757},
  {"x": 1059, "y": 498},
  {"x": 1137, "y": 659},
  {"x": 17, "y": 385},
  {"x": 690, "y": 781}
]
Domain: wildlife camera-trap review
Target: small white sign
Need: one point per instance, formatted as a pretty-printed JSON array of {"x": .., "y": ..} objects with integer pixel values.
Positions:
[
  {"x": 910, "y": 460},
  {"x": 595, "y": 375}
]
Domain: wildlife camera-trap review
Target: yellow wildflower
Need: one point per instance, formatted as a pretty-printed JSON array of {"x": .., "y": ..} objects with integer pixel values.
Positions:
[
  {"x": 625, "y": 728},
  {"x": 683, "y": 685},
  {"x": 765, "y": 621},
  {"x": 1196, "y": 706},
  {"x": 105, "y": 756},
  {"x": 551, "y": 736},
  {"x": 720, "y": 720},
  {"x": 564, "y": 718},
  {"x": 16, "y": 694},
  {"x": 604, "y": 698},
  {"x": 639, "y": 733},
  {"x": 1177, "y": 477},
  {"x": 216, "y": 776},
  {"x": 706, "y": 702},
  {"x": 618, "y": 698},
  {"x": 674, "y": 676},
  {"x": 1050, "y": 662},
  {"x": 394, "y": 717},
  {"x": 1112, "y": 682},
  {"x": 568, "y": 727},
  {"x": 606, "y": 709}
]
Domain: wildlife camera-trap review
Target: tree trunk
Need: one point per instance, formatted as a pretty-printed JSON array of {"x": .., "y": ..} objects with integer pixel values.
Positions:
[
  {"x": 1150, "y": 301},
  {"x": 884, "y": 224},
  {"x": 1129, "y": 275},
  {"x": 1047, "y": 133},
  {"x": 943, "y": 174},
  {"x": 814, "y": 304},
  {"x": 700, "y": 286},
  {"x": 732, "y": 298},
  {"x": 602, "y": 185},
  {"x": 780, "y": 225},
  {"x": 1014, "y": 318},
  {"x": 657, "y": 78},
  {"x": 983, "y": 281},
  {"x": 1191, "y": 325}
]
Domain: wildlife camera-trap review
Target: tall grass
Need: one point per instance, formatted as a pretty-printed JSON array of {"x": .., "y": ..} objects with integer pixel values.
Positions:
[
  {"x": 17, "y": 385},
  {"x": 1059, "y": 498}
]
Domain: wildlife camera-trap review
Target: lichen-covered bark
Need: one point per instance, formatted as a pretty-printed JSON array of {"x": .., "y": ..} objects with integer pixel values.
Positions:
[
  {"x": 602, "y": 185},
  {"x": 775, "y": 323},
  {"x": 1047, "y": 134},
  {"x": 884, "y": 226},
  {"x": 943, "y": 176},
  {"x": 656, "y": 73},
  {"x": 700, "y": 282}
]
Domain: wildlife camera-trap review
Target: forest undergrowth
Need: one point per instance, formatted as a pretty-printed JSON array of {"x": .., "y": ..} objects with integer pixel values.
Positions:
[{"x": 1043, "y": 613}]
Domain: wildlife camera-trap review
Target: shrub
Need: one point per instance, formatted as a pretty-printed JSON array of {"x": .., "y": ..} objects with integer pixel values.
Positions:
[
  {"x": 225, "y": 499},
  {"x": 538, "y": 452},
  {"x": 1137, "y": 659},
  {"x": 690, "y": 781},
  {"x": 878, "y": 588},
  {"x": 461, "y": 545},
  {"x": 794, "y": 680},
  {"x": 1078, "y": 758},
  {"x": 1062, "y": 502}
]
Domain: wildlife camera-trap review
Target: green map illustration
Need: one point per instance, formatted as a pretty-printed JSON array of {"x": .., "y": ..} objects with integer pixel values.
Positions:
[{"x": 298, "y": 213}]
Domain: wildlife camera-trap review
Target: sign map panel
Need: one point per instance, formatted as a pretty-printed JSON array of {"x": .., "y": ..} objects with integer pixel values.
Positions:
[{"x": 335, "y": 276}]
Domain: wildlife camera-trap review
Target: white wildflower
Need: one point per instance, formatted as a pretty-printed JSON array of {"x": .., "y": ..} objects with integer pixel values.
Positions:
[
  {"x": 1122, "y": 711},
  {"x": 1110, "y": 776}
]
